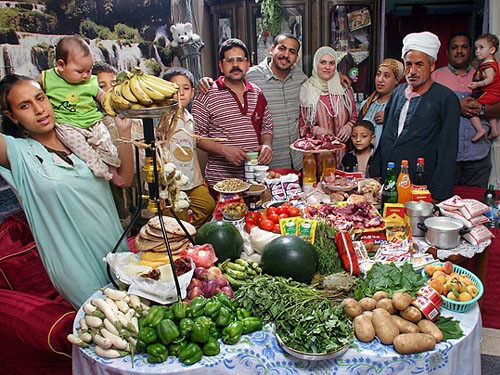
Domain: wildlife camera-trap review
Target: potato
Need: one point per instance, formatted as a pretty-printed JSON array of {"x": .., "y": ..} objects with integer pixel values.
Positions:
[
  {"x": 386, "y": 304},
  {"x": 368, "y": 314},
  {"x": 368, "y": 304},
  {"x": 411, "y": 343},
  {"x": 404, "y": 325},
  {"x": 401, "y": 300},
  {"x": 385, "y": 327},
  {"x": 363, "y": 328},
  {"x": 379, "y": 295},
  {"x": 426, "y": 326},
  {"x": 412, "y": 314},
  {"x": 352, "y": 307}
]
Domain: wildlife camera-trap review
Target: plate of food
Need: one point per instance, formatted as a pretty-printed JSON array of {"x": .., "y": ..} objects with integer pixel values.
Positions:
[
  {"x": 231, "y": 186},
  {"x": 317, "y": 144},
  {"x": 340, "y": 184},
  {"x": 311, "y": 356}
]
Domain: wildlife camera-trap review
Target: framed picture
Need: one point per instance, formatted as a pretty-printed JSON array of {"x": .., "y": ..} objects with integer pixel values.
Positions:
[
  {"x": 359, "y": 18},
  {"x": 224, "y": 29}
]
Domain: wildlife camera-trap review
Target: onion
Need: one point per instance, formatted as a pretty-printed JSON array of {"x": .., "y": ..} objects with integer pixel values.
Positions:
[
  {"x": 200, "y": 273},
  {"x": 221, "y": 281},
  {"x": 228, "y": 290},
  {"x": 195, "y": 292},
  {"x": 213, "y": 273},
  {"x": 195, "y": 283},
  {"x": 210, "y": 289}
]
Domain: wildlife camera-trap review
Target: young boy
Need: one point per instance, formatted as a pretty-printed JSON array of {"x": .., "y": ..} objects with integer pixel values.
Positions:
[
  {"x": 201, "y": 204},
  {"x": 362, "y": 137},
  {"x": 72, "y": 91}
]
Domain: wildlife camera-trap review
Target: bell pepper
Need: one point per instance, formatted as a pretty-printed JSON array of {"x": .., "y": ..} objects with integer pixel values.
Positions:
[
  {"x": 196, "y": 307},
  {"x": 225, "y": 301},
  {"x": 141, "y": 346},
  {"x": 242, "y": 313},
  {"x": 155, "y": 315},
  {"x": 212, "y": 308},
  {"x": 232, "y": 333},
  {"x": 200, "y": 332},
  {"x": 179, "y": 310},
  {"x": 225, "y": 317},
  {"x": 214, "y": 332},
  {"x": 211, "y": 347},
  {"x": 205, "y": 320},
  {"x": 175, "y": 348},
  {"x": 147, "y": 335},
  {"x": 251, "y": 324},
  {"x": 190, "y": 354},
  {"x": 157, "y": 353},
  {"x": 169, "y": 313},
  {"x": 167, "y": 331},
  {"x": 185, "y": 327}
]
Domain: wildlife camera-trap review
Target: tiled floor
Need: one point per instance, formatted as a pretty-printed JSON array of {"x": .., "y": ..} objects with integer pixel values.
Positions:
[{"x": 490, "y": 352}]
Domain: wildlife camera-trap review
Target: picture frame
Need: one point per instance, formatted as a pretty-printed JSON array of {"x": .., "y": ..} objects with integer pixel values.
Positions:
[{"x": 225, "y": 29}]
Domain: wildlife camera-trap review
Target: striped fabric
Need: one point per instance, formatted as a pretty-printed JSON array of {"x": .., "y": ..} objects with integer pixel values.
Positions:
[
  {"x": 220, "y": 114},
  {"x": 283, "y": 101}
]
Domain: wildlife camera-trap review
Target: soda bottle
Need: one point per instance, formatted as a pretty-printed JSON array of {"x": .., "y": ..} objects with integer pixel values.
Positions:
[
  {"x": 490, "y": 198},
  {"x": 404, "y": 184},
  {"x": 308, "y": 171},
  {"x": 328, "y": 164},
  {"x": 419, "y": 180},
  {"x": 389, "y": 190}
]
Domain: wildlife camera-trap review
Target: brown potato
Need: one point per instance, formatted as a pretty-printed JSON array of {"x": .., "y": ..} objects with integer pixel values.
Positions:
[
  {"x": 352, "y": 307},
  {"x": 386, "y": 304},
  {"x": 412, "y": 314},
  {"x": 368, "y": 304},
  {"x": 368, "y": 314},
  {"x": 363, "y": 328},
  {"x": 426, "y": 326},
  {"x": 385, "y": 328},
  {"x": 411, "y": 343},
  {"x": 401, "y": 300},
  {"x": 379, "y": 295},
  {"x": 404, "y": 325}
]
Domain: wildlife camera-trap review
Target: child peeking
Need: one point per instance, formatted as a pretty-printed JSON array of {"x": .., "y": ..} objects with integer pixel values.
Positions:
[{"x": 362, "y": 137}]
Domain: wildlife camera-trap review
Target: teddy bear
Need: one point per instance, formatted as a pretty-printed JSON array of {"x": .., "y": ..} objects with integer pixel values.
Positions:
[{"x": 183, "y": 33}]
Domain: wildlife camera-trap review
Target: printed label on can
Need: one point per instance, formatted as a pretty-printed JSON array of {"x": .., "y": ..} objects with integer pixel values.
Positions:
[
  {"x": 426, "y": 307},
  {"x": 290, "y": 228},
  {"x": 428, "y": 292}
]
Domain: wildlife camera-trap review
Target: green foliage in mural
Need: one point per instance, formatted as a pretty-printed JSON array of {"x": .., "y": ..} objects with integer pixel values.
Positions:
[
  {"x": 91, "y": 30},
  {"x": 124, "y": 32},
  {"x": 27, "y": 21},
  {"x": 273, "y": 15}
]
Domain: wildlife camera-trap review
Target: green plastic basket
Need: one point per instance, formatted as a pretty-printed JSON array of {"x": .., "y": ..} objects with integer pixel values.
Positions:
[{"x": 458, "y": 306}]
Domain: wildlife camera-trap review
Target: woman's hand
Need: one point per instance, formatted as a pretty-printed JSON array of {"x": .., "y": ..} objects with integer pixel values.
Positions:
[
  {"x": 344, "y": 133},
  {"x": 379, "y": 117}
]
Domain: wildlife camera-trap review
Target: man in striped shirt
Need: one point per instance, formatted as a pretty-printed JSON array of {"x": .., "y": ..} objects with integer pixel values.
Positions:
[{"x": 236, "y": 110}]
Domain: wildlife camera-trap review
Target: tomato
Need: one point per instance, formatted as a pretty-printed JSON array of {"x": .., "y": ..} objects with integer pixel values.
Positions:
[
  {"x": 274, "y": 218},
  {"x": 281, "y": 210},
  {"x": 249, "y": 226},
  {"x": 266, "y": 224},
  {"x": 293, "y": 211},
  {"x": 270, "y": 211},
  {"x": 251, "y": 217},
  {"x": 283, "y": 215},
  {"x": 287, "y": 204},
  {"x": 261, "y": 218},
  {"x": 277, "y": 229}
]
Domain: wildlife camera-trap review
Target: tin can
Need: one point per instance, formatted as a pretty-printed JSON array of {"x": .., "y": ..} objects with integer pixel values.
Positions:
[
  {"x": 428, "y": 292},
  {"x": 290, "y": 228},
  {"x": 426, "y": 306}
]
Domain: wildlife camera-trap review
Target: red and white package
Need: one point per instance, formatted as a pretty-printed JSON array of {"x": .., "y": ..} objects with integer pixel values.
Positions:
[
  {"x": 469, "y": 223},
  {"x": 478, "y": 234},
  {"x": 473, "y": 208},
  {"x": 291, "y": 185},
  {"x": 451, "y": 204},
  {"x": 276, "y": 189}
]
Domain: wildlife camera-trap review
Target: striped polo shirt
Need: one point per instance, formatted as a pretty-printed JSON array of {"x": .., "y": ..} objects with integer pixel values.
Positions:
[{"x": 220, "y": 114}]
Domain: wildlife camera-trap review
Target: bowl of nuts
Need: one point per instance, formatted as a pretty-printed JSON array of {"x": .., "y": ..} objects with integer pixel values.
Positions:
[{"x": 234, "y": 211}]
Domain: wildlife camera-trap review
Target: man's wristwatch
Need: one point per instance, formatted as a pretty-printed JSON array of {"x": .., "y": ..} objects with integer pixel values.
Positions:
[{"x": 483, "y": 108}]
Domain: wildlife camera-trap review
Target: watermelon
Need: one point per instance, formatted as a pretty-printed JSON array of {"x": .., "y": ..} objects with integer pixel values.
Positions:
[
  {"x": 290, "y": 256},
  {"x": 224, "y": 238}
]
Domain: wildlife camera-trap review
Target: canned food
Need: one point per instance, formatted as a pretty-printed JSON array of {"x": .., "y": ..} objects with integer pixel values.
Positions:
[
  {"x": 426, "y": 306},
  {"x": 290, "y": 228},
  {"x": 428, "y": 292},
  {"x": 305, "y": 230}
]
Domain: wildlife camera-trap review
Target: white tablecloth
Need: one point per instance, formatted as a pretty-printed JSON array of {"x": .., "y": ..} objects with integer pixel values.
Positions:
[{"x": 259, "y": 353}]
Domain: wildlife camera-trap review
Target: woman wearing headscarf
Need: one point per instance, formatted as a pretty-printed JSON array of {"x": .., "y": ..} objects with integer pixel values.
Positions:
[
  {"x": 389, "y": 73},
  {"x": 326, "y": 107}
]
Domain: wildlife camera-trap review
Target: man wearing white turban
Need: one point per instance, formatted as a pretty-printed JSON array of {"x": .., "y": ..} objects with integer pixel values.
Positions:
[{"x": 421, "y": 120}]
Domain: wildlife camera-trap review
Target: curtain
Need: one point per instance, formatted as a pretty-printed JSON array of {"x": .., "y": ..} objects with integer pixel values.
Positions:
[{"x": 494, "y": 27}]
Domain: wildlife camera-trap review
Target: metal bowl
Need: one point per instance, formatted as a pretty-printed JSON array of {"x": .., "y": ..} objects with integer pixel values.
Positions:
[
  {"x": 311, "y": 356},
  {"x": 148, "y": 112}
]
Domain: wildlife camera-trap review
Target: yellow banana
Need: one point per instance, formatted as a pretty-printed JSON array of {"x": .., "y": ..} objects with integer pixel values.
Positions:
[
  {"x": 162, "y": 82},
  {"x": 162, "y": 86},
  {"x": 106, "y": 104},
  {"x": 126, "y": 92},
  {"x": 138, "y": 91},
  {"x": 155, "y": 95},
  {"x": 117, "y": 100}
]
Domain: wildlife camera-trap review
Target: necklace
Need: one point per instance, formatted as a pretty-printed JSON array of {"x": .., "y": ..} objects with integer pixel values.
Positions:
[{"x": 64, "y": 155}]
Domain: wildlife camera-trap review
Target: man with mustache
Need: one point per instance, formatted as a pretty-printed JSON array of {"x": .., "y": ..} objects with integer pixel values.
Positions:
[
  {"x": 421, "y": 120},
  {"x": 235, "y": 110},
  {"x": 473, "y": 160}
]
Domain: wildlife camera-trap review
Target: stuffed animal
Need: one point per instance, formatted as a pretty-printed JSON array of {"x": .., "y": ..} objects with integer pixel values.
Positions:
[{"x": 183, "y": 33}]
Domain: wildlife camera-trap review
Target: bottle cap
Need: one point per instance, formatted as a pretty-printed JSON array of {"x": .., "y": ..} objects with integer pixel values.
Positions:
[
  {"x": 404, "y": 162},
  {"x": 420, "y": 160},
  {"x": 390, "y": 164}
]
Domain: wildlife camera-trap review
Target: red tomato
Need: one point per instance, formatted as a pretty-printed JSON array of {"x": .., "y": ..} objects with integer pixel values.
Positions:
[
  {"x": 287, "y": 204},
  {"x": 277, "y": 228},
  {"x": 284, "y": 215},
  {"x": 281, "y": 210},
  {"x": 274, "y": 218},
  {"x": 266, "y": 224},
  {"x": 261, "y": 218},
  {"x": 270, "y": 211},
  {"x": 293, "y": 211},
  {"x": 249, "y": 226},
  {"x": 251, "y": 217}
]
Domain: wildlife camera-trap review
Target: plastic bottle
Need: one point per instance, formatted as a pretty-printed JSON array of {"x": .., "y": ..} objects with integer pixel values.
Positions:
[
  {"x": 308, "y": 171},
  {"x": 389, "y": 190},
  {"x": 404, "y": 184},
  {"x": 419, "y": 181},
  {"x": 328, "y": 164},
  {"x": 490, "y": 198}
]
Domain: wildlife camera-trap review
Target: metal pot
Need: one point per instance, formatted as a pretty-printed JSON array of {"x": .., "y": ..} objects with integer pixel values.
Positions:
[
  {"x": 443, "y": 232},
  {"x": 418, "y": 211}
]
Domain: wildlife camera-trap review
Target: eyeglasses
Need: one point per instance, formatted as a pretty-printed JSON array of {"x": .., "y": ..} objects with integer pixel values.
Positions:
[{"x": 232, "y": 59}]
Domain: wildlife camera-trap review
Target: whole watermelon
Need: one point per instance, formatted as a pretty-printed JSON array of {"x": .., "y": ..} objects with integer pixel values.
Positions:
[
  {"x": 290, "y": 256},
  {"x": 224, "y": 237}
]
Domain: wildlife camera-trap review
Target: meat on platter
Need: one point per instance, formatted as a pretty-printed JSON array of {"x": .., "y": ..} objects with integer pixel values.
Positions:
[
  {"x": 355, "y": 215},
  {"x": 318, "y": 142}
]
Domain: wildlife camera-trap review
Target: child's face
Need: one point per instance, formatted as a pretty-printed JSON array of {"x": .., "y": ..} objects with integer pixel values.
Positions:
[
  {"x": 484, "y": 49},
  {"x": 186, "y": 90},
  {"x": 77, "y": 69},
  {"x": 361, "y": 138},
  {"x": 106, "y": 80}
]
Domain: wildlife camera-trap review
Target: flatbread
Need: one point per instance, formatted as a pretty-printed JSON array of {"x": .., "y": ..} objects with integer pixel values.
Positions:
[
  {"x": 171, "y": 225},
  {"x": 143, "y": 244},
  {"x": 174, "y": 246}
]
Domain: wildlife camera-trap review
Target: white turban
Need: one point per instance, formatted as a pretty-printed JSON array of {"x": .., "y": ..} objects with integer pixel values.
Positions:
[{"x": 425, "y": 42}]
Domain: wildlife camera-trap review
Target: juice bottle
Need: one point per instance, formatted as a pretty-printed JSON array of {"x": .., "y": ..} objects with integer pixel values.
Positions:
[
  {"x": 308, "y": 171},
  {"x": 328, "y": 164},
  {"x": 404, "y": 184},
  {"x": 419, "y": 180}
]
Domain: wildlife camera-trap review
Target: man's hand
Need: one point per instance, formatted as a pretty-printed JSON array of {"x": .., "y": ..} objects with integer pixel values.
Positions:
[
  {"x": 469, "y": 107},
  {"x": 234, "y": 154},
  {"x": 203, "y": 84},
  {"x": 265, "y": 154},
  {"x": 379, "y": 117},
  {"x": 345, "y": 81}
]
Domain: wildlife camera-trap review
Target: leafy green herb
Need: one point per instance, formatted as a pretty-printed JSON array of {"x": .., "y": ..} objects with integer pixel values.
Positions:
[
  {"x": 449, "y": 327},
  {"x": 324, "y": 242}
]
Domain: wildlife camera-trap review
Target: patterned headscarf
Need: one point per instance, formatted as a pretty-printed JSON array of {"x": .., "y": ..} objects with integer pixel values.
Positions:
[{"x": 396, "y": 66}]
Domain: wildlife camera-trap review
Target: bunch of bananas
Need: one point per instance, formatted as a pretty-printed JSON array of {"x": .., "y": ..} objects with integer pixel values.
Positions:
[
  {"x": 136, "y": 90},
  {"x": 239, "y": 272}
]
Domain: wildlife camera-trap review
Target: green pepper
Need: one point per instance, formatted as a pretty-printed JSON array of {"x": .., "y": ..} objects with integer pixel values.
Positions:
[
  {"x": 200, "y": 333},
  {"x": 157, "y": 353},
  {"x": 141, "y": 346},
  {"x": 190, "y": 354},
  {"x": 205, "y": 320},
  {"x": 232, "y": 333},
  {"x": 211, "y": 347},
  {"x": 196, "y": 307},
  {"x": 169, "y": 313},
  {"x": 242, "y": 313},
  {"x": 251, "y": 324},
  {"x": 175, "y": 348},
  {"x": 212, "y": 308},
  {"x": 213, "y": 331},
  {"x": 225, "y": 301},
  {"x": 179, "y": 310},
  {"x": 185, "y": 327},
  {"x": 155, "y": 315},
  {"x": 167, "y": 331},
  {"x": 147, "y": 335},
  {"x": 225, "y": 317}
]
